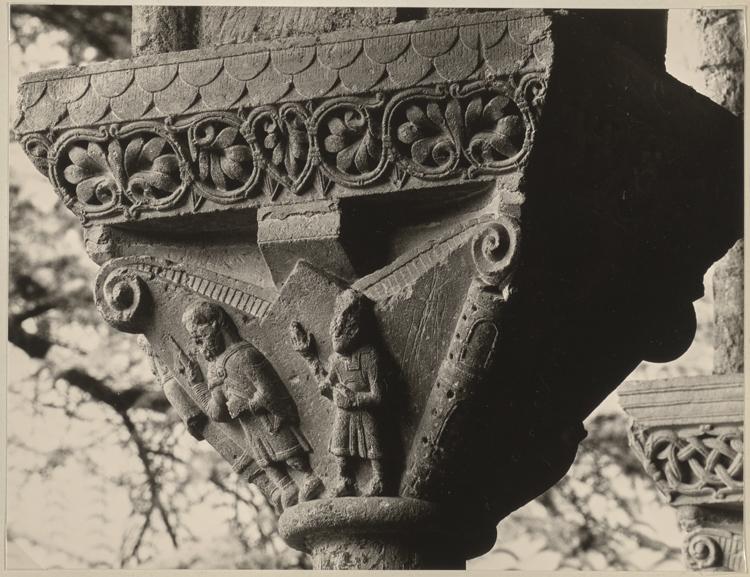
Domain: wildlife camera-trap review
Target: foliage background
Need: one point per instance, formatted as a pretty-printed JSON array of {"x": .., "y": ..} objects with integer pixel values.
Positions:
[{"x": 101, "y": 472}]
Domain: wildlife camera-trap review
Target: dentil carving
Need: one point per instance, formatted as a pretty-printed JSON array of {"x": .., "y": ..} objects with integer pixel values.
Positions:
[
  {"x": 354, "y": 382},
  {"x": 243, "y": 385}
]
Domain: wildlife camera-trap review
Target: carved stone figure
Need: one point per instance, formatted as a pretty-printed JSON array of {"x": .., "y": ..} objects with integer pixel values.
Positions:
[
  {"x": 199, "y": 425},
  {"x": 354, "y": 383},
  {"x": 191, "y": 415},
  {"x": 243, "y": 385}
]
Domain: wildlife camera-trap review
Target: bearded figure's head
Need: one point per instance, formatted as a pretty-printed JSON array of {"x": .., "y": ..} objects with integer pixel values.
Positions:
[{"x": 210, "y": 328}]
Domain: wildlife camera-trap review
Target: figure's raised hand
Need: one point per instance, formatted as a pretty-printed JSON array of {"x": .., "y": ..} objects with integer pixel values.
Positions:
[{"x": 302, "y": 341}]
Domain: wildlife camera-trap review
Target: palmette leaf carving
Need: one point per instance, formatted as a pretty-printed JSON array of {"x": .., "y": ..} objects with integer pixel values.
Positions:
[
  {"x": 466, "y": 129},
  {"x": 353, "y": 143},
  {"x": 348, "y": 132},
  {"x": 133, "y": 169},
  {"x": 498, "y": 130},
  {"x": 152, "y": 172},
  {"x": 428, "y": 132},
  {"x": 92, "y": 173}
]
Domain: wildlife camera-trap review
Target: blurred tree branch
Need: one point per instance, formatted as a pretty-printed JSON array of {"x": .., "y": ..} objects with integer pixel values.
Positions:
[
  {"x": 105, "y": 28},
  {"x": 578, "y": 530}
]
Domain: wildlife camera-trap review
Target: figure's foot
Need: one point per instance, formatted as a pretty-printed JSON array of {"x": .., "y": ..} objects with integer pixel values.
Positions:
[
  {"x": 311, "y": 488},
  {"x": 344, "y": 488},
  {"x": 376, "y": 488},
  {"x": 289, "y": 496}
]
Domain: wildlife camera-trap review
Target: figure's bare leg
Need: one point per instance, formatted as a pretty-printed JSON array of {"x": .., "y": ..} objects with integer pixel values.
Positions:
[
  {"x": 377, "y": 482},
  {"x": 289, "y": 490},
  {"x": 312, "y": 485},
  {"x": 345, "y": 485}
]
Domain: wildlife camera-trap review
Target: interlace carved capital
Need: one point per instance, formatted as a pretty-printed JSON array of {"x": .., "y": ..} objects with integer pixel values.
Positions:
[{"x": 689, "y": 435}]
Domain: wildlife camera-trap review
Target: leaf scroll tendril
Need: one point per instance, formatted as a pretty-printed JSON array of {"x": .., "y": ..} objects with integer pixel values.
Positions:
[
  {"x": 92, "y": 174},
  {"x": 495, "y": 250},
  {"x": 37, "y": 148},
  {"x": 152, "y": 169}
]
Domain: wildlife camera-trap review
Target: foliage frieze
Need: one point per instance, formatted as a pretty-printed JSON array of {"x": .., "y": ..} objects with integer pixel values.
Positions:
[{"x": 431, "y": 134}]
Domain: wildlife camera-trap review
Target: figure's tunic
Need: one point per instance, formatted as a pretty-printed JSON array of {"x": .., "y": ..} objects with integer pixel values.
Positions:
[
  {"x": 355, "y": 429},
  {"x": 257, "y": 397}
]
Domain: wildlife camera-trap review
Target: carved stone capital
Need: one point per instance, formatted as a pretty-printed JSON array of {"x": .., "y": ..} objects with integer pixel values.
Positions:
[
  {"x": 689, "y": 435},
  {"x": 373, "y": 267}
]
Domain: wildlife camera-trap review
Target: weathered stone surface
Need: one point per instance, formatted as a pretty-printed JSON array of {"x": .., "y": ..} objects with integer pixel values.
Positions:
[
  {"x": 287, "y": 60},
  {"x": 241, "y": 386},
  {"x": 310, "y": 232},
  {"x": 689, "y": 432},
  {"x": 721, "y": 48},
  {"x": 235, "y": 24},
  {"x": 710, "y": 399},
  {"x": 381, "y": 533},
  {"x": 729, "y": 311},
  {"x": 497, "y": 210},
  {"x": 723, "y": 69},
  {"x": 159, "y": 29}
]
